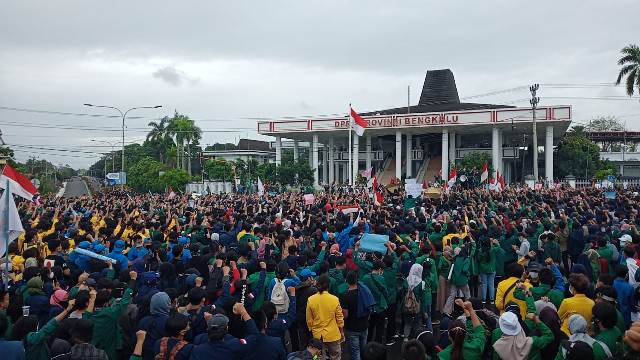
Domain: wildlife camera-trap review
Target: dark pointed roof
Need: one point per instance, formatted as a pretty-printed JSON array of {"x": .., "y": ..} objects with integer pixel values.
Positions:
[
  {"x": 439, "y": 94},
  {"x": 439, "y": 88}
]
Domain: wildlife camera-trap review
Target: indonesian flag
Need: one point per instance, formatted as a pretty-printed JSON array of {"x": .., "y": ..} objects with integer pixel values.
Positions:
[
  {"x": 348, "y": 209},
  {"x": 20, "y": 185},
  {"x": 378, "y": 198},
  {"x": 453, "y": 177},
  {"x": 359, "y": 124},
  {"x": 501, "y": 182},
  {"x": 170, "y": 193},
  {"x": 485, "y": 173}
]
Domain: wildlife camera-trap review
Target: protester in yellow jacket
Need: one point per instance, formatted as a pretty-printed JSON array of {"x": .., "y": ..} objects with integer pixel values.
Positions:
[
  {"x": 579, "y": 303},
  {"x": 506, "y": 288}
]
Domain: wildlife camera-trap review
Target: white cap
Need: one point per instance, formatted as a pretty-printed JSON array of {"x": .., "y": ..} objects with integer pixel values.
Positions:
[
  {"x": 625, "y": 238},
  {"x": 509, "y": 323}
]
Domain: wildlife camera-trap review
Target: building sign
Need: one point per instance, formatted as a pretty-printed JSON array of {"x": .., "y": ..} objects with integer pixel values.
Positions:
[{"x": 476, "y": 117}]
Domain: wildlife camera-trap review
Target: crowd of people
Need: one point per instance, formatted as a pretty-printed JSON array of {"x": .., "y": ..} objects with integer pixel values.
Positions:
[{"x": 473, "y": 274}]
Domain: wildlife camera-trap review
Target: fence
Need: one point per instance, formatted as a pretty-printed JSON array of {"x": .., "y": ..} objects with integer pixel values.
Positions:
[
  {"x": 624, "y": 184},
  {"x": 210, "y": 187}
]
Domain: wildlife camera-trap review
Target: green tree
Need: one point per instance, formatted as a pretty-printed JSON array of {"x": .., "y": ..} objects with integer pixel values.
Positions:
[
  {"x": 578, "y": 156},
  {"x": 185, "y": 131},
  {"x": 630, "y": 62},
  {"x": 474, "y": 160},
  {"x": 159, "y": 138},
  {"x": 604, "y": 123},
  {"x": 176, "y": 179},
  {"x": 219, "y": 169}
]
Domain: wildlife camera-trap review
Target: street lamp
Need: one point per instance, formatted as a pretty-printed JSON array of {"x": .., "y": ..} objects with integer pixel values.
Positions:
[
  {"x": 113, "y": 154},
  {"x": 124, "y": 115}
]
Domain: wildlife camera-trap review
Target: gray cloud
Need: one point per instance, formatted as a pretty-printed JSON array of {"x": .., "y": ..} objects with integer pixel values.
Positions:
[{"x": 173, "y": 76}]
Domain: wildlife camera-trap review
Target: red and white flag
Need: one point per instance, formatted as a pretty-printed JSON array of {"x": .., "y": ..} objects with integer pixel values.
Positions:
[
  {"x": 359, "y": 124},
  {"x": 501, "y": 182},
  {"x": 485, "y": 173},
  {"x": 446, "y": 187},
  {"x": 378, "y": 198},
  {"x": 348, "y": 209},
  {"x": 367, "y": 173},
  {"x": 453, "y": 177},
  {"x": 20, "y": 185}
]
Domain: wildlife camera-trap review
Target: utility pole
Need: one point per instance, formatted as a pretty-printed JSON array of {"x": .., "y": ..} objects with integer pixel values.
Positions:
[{"x": 534, "y": 104}]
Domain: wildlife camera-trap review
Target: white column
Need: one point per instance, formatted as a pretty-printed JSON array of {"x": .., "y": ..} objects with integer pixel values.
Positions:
[
  {"x": 278, "y": 151},
  {"x": 345, "y": 172},
  {"x": 314, "y": 156},
  {"x": 311, "y": 153},
  {"x": 325, "y": 165},
  {"x": 296, "y": 150},
  {"x": 398, "y": 154},
  {"x": 548, "y": 155},
  {"x": 445, "y": 155},
  {"x": 332, "y": 167},
  {"x": 368, "y": 152},
  {"x": 409, "y": 161},
  {"x": 452, "y": 147},
  {"x": 496, "y": 159},
  {"x": 355, "y": 153}
]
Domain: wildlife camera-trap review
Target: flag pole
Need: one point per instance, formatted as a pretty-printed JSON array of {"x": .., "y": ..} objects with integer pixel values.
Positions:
[
  {"x": 350, "y": 166},
  {"x": 5, "y": 231}
]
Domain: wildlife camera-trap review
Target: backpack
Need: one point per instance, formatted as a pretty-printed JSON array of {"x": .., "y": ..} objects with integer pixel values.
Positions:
[
  {"x": 279, "y": 297},
  {"x": 411, "y": 304},
  {"x": 162, "y": 355}
]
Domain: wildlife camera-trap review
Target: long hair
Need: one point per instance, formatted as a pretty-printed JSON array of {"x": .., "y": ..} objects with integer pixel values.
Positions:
[{"x": 457, "y": 333}]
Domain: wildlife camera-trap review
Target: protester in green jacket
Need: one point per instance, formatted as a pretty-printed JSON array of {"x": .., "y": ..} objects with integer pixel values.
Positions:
[
  {"x": 35, "y": 343},
  {"x": 107, "y": 334},
  {"x": 376, "y": 284},
  {"x": 337, "y": 283},
  {"x": 466, "y": 342},
  {"x": 488, "y": 252},
  {"x": 604, "y": 319}
]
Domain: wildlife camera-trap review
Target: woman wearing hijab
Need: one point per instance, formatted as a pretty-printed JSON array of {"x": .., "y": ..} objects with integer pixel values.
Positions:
[
  {"x": 58, "y": 302},
  {"x": 514, "y": 344},
  {"x": 415, "y": 289},
  {"x": 38, "y": 302},
  {"x": 578, "y": 328},
  {"x": 550, "y": 318}
]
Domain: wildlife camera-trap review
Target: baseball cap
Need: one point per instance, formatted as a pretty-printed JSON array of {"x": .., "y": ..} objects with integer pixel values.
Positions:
[
  {"x": 625, "y": 239},
  {"x": 306, "y": 273},
  {"x": 509, "y": 324},
  {"x": 218, "y": 321}
]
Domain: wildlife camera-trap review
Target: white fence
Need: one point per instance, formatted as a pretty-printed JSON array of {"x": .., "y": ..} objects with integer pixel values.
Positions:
[
  {"x": 210, "y": 187},
  {"x": 625, "y": 184}
]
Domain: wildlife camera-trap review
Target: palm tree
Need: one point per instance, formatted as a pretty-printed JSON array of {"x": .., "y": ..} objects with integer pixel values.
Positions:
[
  {"x": 159, "y": 136},
  {"x": 630, "y": 62}
]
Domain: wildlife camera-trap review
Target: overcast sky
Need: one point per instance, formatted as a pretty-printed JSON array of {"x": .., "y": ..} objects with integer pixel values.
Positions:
[{"x": 225, "y": 61}]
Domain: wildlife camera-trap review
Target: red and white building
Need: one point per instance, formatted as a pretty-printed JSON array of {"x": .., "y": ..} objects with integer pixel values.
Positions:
[{"x": 422, "y": 141}]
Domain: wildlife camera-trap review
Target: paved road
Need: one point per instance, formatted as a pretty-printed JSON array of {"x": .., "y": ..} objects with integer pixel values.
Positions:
[{"x": 76, "y": 187}]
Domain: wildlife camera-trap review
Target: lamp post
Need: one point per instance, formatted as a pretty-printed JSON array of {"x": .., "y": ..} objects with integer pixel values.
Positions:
[
  {"x": 124, "y": 115},
  {"x": 113, "y": 154}
]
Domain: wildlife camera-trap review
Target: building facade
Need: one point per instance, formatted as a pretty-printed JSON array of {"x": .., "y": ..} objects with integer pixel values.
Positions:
[{"x": 425, "y": 140}]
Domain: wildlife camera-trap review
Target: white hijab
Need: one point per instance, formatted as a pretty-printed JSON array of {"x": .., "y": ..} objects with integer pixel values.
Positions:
[{"x": 415, "y": 276}]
